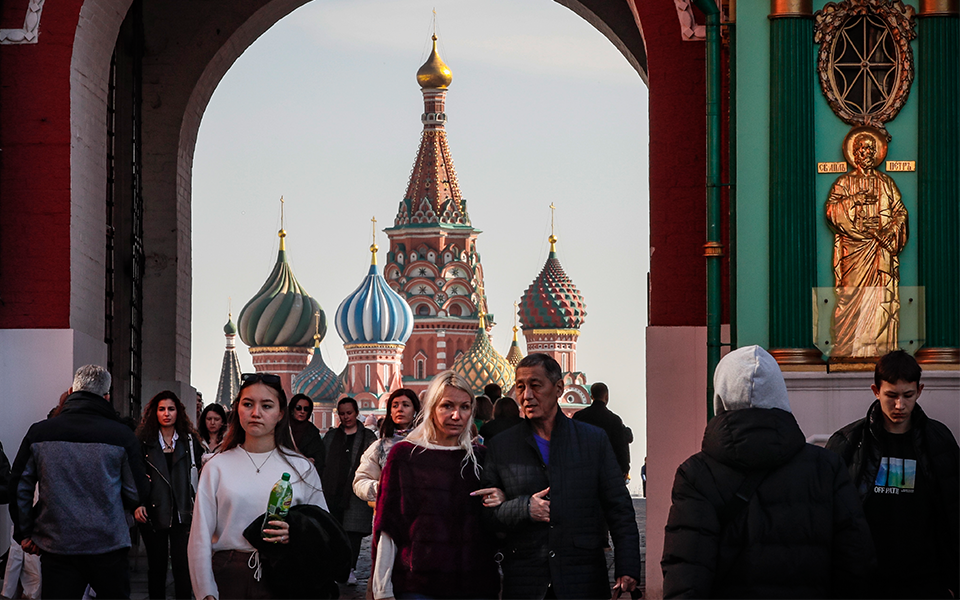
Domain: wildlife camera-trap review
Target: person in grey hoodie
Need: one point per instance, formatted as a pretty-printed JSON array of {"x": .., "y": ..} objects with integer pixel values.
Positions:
[{"x": 759, "y": 513}]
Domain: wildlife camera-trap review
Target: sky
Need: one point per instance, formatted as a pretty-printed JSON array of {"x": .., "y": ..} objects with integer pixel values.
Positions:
[{"x": 324, "y": 109}]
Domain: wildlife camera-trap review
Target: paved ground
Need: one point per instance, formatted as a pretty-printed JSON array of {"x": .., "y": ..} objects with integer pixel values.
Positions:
[{"x": 138, "y": 563}]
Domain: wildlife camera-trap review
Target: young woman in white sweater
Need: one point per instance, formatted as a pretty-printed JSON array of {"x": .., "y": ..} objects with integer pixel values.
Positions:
[{"x": 235, "y": 487}]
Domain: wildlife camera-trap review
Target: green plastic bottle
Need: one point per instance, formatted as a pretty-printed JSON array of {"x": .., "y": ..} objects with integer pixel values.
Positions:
[{"x": 281, "y": 496}]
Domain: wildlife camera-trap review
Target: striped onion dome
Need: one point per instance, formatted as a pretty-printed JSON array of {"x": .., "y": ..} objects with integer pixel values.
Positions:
[
  {"x": 318, "y": 380},
  {"x": 482, "y": 364},
  {"x": 552, "y": 301},
  {"x": 282, "y": 312},
  {"x": 374, "y": 313}
]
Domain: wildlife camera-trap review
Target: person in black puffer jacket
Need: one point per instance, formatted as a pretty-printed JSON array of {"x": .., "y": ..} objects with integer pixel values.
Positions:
[
  {"x": 906, "y": 468},
  {"x": 759, "y": 513}
]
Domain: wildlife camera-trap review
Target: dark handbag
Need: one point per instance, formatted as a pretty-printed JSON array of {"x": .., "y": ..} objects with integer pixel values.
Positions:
[{"x": 317, "y": 556}]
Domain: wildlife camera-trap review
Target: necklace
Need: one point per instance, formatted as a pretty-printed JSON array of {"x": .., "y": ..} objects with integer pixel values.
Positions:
[{"x": 254, "y": 462}]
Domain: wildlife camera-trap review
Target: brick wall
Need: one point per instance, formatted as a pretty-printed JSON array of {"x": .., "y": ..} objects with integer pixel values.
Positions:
[{"x": 35, "y": 279}]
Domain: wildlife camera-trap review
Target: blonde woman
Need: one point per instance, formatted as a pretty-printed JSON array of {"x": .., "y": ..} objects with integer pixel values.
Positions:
[{"x": 431, "y": 543}]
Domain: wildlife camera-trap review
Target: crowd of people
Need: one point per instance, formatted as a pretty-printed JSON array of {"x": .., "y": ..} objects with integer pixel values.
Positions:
[
  {"x": 448, "y": 513},
  {"x": 481, "y": 496},
  {"x": 760, "y": 513}
]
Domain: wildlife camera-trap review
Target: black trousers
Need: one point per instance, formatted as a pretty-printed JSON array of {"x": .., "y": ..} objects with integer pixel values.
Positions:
[
  {"x": 161, "y": 543},
  {"x": 356, "y": 539},
  {"x": 67, "y": 575}
]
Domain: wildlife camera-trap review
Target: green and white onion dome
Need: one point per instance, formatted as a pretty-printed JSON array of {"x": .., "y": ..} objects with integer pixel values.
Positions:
[
  {"x": 282, "y": 312},
  {"x": 374, "y": 313}
]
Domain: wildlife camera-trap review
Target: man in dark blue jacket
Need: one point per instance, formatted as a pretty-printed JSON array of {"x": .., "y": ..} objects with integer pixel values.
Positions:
[
  {"x": 560, "y": 480},
  {"x": 88, "y": 468}
]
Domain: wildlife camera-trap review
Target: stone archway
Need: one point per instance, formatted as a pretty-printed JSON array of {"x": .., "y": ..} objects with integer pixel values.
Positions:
[
  {"x": 54, "y": 181},
  {"x": 188, "y": 49}
]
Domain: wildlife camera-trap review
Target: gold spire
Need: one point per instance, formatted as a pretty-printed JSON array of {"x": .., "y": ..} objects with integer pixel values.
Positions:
[
  {"x": 316, "y": 329},
  {"x": 282, "y": 233},
  {"x": 434, "y": 73},
  {"x": 373, "y": 246},
  {"x": 516, "y": 307},
  {"x": 553, "y": 238},
  {"x": 480, "y": 303}
]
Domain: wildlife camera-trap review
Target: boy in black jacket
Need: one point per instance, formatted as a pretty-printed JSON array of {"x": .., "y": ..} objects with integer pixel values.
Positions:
[{"x": 906, "y": 467}]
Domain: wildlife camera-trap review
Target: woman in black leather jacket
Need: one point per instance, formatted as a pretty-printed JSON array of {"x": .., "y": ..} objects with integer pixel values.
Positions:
[{"x": 171, "y": 453}]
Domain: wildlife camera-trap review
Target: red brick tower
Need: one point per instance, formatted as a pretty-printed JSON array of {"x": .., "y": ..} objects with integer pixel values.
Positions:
[{"x": 432, "y": 259}]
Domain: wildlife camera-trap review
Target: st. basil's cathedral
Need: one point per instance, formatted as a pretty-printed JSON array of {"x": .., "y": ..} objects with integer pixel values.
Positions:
[{"x": 426, "y": 312}]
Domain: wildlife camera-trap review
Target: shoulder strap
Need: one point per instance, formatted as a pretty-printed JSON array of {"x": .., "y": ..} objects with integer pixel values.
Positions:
[
  {"x": 292, "y": 438},
  {"x": 193, "y": 460},
  {"x": 741, "y": 498}
]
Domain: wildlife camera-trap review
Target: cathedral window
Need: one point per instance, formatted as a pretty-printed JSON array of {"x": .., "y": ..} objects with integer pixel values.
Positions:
[
  {"x": 423, "y": 310},
  {"x": 366, "y": 375},
  {"x": 456, "y": 311},
  {"x": 421, "y": 370}
]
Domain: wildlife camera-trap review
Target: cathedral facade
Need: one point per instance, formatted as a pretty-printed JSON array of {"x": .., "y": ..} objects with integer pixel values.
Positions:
[{"x": 426, "y": 312}]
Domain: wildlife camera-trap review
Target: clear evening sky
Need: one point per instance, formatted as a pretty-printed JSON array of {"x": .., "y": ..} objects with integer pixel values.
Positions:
[{"x": 324, "y": 109}]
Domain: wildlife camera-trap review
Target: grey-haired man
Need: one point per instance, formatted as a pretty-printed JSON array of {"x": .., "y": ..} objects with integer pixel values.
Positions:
[{"x": 89, "y": 470}]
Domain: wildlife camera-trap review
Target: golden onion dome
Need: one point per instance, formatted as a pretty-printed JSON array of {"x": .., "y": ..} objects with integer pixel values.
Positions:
[{"x": 434, "y": 73}]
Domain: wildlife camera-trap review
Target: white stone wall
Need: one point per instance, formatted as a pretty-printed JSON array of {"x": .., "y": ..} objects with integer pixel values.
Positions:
[
  {"x": 89, "y": 71},
  {"x": 823, "y": 403}
]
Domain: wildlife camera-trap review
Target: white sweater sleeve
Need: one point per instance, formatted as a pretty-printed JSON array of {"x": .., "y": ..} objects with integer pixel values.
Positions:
[
  {"x": 202, "y": 529},
  {"x": 366, "y": 484},
  {"x": 381, "y": 579}
]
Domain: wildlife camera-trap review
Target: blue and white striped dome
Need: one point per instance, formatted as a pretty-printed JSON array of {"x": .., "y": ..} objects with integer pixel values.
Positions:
[{"x": 374, "y": 313}]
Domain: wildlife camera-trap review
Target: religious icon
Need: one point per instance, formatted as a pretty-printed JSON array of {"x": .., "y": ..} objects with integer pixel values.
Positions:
[{"x": 870, "y": 230}]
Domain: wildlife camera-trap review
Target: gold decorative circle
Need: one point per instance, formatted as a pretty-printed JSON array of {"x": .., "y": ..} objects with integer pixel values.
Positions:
[
  {"x": 848, "y": 56},
  {"x": 878, "y": 137}
]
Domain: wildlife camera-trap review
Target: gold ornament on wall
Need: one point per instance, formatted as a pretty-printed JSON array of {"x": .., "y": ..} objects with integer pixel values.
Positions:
[
  {"x": 869, "y": 222},
  {"x": 865, "y": 63}
]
